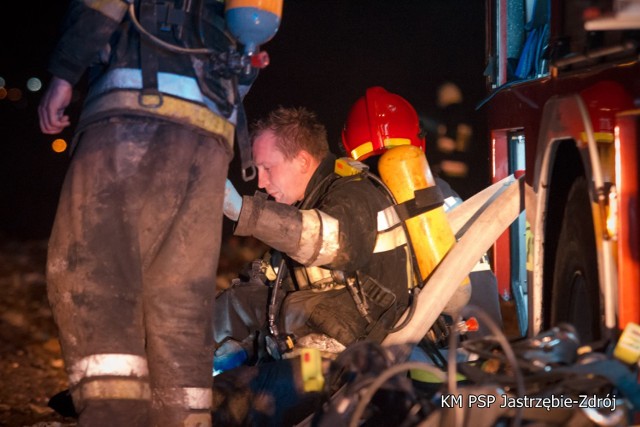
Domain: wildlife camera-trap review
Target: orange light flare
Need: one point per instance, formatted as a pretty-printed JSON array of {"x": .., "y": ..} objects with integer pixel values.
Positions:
[{"x": 59, "y": 145}]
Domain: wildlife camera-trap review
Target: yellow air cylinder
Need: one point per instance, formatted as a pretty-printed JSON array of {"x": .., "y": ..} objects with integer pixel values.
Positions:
[{"x": 404, "y": 169}]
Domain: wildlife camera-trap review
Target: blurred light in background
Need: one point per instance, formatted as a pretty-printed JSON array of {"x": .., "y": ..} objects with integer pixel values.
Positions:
[
  {"x": 34, "y": 84},
  {"x": 3, "y": 90},
  {"x": 59, "y": 145},
  {"x": 14, "y": 94}
]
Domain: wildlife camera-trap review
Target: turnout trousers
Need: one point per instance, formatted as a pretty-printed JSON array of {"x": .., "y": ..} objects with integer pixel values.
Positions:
[{"x": 131, "y": 272}]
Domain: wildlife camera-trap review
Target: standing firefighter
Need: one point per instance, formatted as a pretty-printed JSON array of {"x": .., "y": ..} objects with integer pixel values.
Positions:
[{"x": 135, "y": 244}]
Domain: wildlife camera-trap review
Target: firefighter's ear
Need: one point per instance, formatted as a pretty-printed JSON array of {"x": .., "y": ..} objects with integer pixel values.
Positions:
[{"x": 304, "y": 160}]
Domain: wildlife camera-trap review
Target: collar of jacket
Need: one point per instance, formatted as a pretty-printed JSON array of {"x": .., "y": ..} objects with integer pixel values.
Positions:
[{"x": 325, "y": 168}]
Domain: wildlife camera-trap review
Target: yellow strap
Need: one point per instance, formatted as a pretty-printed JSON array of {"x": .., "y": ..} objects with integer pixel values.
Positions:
[{"x": 171, "y": 108}]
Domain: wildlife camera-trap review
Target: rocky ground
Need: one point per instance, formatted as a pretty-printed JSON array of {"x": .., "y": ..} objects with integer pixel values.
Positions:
[{"x": 31, "y": 367}]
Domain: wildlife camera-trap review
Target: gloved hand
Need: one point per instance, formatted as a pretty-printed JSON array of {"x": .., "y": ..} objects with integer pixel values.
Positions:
[{"x": 232, "y": 201}]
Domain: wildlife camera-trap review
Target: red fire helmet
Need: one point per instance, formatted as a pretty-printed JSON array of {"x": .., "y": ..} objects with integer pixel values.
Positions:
[{"x": 378, "y": 121}]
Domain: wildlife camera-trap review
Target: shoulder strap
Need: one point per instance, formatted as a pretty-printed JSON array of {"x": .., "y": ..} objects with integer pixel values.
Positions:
[
  {"x": 150, "y": 96},
  {"x": 315, "y": 194},
  {"x": 248, "y": 169}
]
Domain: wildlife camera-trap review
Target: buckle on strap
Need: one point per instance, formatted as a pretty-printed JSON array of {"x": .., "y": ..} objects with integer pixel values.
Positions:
[
  {"x": 168, "y": 16},
  {"x": 150, "y": 98},
  {"x": 249, "y": 173}
]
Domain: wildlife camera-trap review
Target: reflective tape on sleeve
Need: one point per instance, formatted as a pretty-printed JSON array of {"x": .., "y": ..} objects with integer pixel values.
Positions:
[
  {"x": 387, "y": 218},
  {"x": 122, "y": 365},
  {"x": 309, "y": 237},
  {"x": 319, "y": 240},
  {"x": 390, "y": 239},
  {"x": 390, "y": 234},
  {"x": 330, "y": 239}
]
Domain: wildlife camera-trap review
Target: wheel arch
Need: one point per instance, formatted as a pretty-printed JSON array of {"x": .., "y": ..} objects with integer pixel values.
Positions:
[{"x": 566, "y": 150}]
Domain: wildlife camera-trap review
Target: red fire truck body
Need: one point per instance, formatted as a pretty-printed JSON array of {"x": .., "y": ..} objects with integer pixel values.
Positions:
[{"x": 563, "y": 106}]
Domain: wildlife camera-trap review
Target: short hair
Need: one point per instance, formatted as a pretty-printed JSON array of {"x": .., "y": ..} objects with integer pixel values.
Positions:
[{"x": 295, "y": 129}]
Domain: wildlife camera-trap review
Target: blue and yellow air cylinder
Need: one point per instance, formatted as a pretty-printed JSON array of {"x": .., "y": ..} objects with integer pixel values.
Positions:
[
  {"x": 405, "y": 170},
  {"x": 253, "y": 22}
]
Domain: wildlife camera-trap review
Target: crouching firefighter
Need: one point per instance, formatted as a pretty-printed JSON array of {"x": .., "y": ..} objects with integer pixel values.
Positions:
[
  {"x": 334, "y": 285},
  {"x": 135, "y": 243}
]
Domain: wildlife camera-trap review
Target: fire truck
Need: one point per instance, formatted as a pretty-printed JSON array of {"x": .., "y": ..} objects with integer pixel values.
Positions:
[{"x": 563, "y": 80}]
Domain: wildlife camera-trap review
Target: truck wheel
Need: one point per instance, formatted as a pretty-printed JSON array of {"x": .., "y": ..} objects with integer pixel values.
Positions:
[{"x": 576, "y": 293}]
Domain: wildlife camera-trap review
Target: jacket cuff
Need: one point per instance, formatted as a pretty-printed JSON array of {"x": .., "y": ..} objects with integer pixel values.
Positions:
[
  {"x": 249, "y": 215},
  {"x": 276, "y": 224},
  {"x": 66, "y": 71}
]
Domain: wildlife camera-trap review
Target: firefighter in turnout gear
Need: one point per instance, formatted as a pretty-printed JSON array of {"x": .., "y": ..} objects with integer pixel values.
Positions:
[
  {"x": 383, "y": 129},
  {"x": 340, "y": 286},
  {"x": 135, "y": 244},
  {"x": 385, "y": 125}
]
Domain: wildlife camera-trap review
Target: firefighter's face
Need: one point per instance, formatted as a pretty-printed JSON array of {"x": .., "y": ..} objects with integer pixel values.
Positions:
[{"x": 284, "y": 179}]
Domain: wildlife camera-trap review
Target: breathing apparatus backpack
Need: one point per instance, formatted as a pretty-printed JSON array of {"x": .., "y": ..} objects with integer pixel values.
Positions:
[{"x": 218, "y": 64}]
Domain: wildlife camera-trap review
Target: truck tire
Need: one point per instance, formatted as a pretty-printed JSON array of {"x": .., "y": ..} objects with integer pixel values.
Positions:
[{"x": 576, "y": 293}]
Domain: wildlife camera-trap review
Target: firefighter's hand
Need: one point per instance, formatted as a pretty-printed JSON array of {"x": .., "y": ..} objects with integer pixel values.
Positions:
[
  {"x": 51, "y": 109},
  {"x": 232, "y": 201}
]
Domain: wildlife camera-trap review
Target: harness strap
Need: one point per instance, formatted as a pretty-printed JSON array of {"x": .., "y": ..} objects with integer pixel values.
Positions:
[
  {"x": 169, "y": 16},
  {"x": 244, "y": 143},
  {"x": 150, "y": 96},
  {"x": 173, "y": 109},
  {"x": 424, "y": 200},
  {"x": 385, "y": 300}
]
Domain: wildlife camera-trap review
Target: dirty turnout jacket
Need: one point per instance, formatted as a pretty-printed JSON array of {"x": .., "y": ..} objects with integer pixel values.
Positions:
[{"x": 332, "y": 230}]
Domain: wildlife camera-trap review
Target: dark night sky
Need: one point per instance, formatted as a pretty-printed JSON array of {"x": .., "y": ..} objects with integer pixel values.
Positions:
[{"x": 325, "y": 55}]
